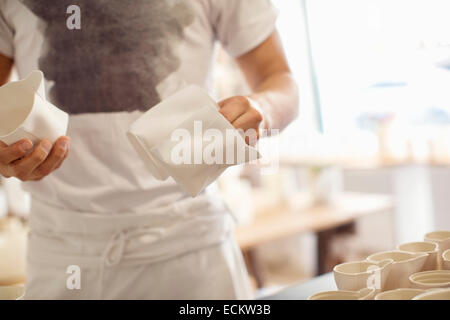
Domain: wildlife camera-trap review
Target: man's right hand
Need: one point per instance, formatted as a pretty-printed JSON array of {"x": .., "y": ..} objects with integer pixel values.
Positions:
[{"x": 17, "y": 161}]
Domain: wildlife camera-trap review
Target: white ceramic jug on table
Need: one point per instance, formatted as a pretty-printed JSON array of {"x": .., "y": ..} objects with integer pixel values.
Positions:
[
  {"x": 430, "y": 248},
  {"x": 188, "y": 123},
  {"x": 354, "y": 276},
  {"x": 25, "y": 112},
  {"x": 404, "y": 264},
  {"x": 442, "y": 238}
]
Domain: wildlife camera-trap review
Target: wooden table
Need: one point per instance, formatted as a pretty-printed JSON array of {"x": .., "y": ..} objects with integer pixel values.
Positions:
[{"x": 281, "y": 221}]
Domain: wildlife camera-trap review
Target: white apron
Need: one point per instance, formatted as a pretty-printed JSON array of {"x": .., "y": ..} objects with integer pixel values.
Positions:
[{"x": 128, "y": 237}]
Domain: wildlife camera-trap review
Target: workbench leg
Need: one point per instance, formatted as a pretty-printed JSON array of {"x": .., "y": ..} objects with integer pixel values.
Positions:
[
  {"x": 254, "y": 266},
  {"x": 323, "y": 250},
  {"x": 324, "y": 241}
]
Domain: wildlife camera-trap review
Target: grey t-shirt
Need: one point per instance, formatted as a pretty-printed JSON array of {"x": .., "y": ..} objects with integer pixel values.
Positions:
[{"x": 125, "y": 48}]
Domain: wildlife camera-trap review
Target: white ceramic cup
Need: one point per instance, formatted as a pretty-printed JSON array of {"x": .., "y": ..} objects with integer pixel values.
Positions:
[
  {"x": 404, "y": 264},
  {"x": 430, "y": 279},
  {"x": 440, "y": 294},
  {"x": 188, "y": 121},
  {"x": 399, "y": 294},
  {"x": 442, "y": 238},
  {"x": 354, "y": 276},
  {"x": 25, "y": 113},
  {"x": 363, "y": 294},
  {"x": 446, "y": 260},
  {"x": 11, "y": 292},
  {"x": 430, "y": 248}
]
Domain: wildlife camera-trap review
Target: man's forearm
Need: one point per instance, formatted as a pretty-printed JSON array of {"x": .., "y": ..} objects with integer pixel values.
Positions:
[
  {"x": 274, "y": 89},
  {"x": 277, "y": 96}
]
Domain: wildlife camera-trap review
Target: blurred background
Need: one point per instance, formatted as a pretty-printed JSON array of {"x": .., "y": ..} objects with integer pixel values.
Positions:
[{"x": 367, "y": 164}]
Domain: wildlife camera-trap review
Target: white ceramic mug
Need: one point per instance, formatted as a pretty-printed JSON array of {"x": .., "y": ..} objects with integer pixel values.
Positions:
[
  {"x": 363, "y": 294},
  {"x": 430, "y": 248},
  {"x": 430, "y": 279},
  {"x": 434, "y": 295},
  {"x": 399, "y": 294},
  {"x": 446, "y": 260},
  {"x": 404, "y": 264},
  {"x": 188, "y": 121},
  {"x": 354, "y": 276},
  {"x": 442, "y": 238},
  {"x": 25, "y": 113}
]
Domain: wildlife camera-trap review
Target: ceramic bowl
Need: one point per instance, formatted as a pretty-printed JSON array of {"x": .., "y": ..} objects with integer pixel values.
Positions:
[
  {"x": 430, "y": 248},
  {"x": 404, "y": 264},
  {"x": 354, "y": 276},
  {"x": 11, "y": 292},
  {"x": 446, "y": 260},
  {"x": 399, "y": 294},
  {"x": 363, "y": 294},
  {"x": 431, "y": 279},
  {"x": 443, "y": 294}
]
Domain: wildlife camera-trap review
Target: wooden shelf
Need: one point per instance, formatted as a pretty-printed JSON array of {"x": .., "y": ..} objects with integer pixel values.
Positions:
[{"x": 283, "y": 220}]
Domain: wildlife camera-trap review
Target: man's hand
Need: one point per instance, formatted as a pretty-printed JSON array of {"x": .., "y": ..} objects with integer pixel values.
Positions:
[
  {"x": 17, "y": 160},
  {"x": 243, "y": 113}
]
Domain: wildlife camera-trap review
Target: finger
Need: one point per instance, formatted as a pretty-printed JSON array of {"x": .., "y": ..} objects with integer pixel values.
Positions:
[
  {"x": 233, "y": 108},
  {"x": 249, "y": 120},
  {"x": 249, "y": 124},
  {"x": 15, "y": 151},
  {"x": 54, "y": 158},
  {"x": 62, "y": 161},
  {"x": 24, "y": 167}
]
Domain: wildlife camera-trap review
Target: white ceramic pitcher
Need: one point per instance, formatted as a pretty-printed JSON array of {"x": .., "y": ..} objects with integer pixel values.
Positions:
[
  {"x": 188, "y": 123},
  {"x": 430, "y": 248},
  {"x": 404, "y": 264},
  {"x": 442, "y": 238},
  {"x": 25, "y": 112},
  {"x": 354, "y": 276}
]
